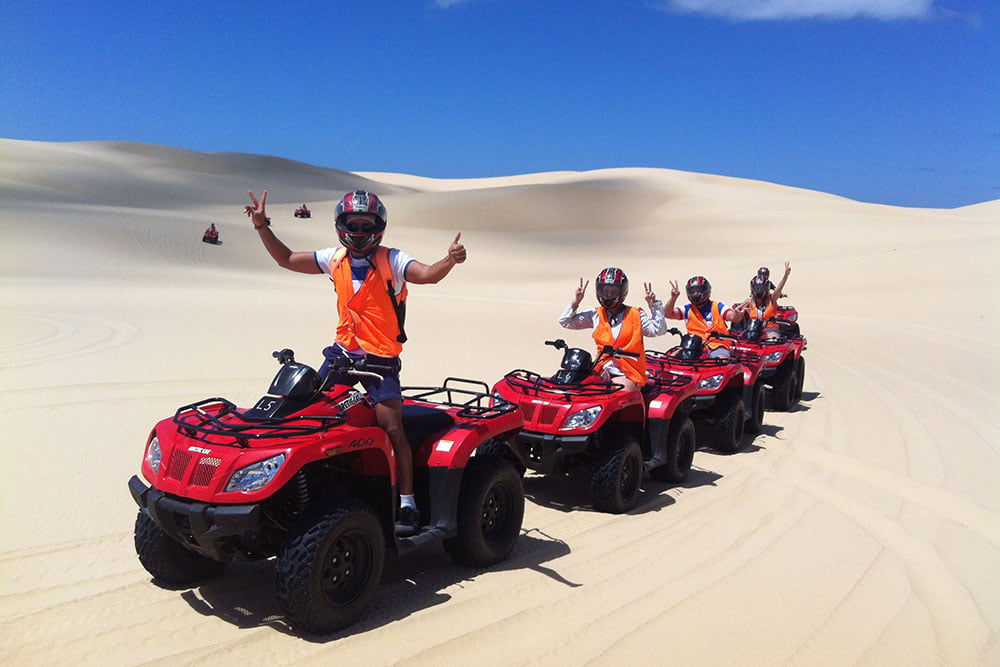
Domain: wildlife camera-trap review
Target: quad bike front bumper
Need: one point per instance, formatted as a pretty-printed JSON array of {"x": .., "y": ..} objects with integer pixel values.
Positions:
[
  {"x": 546, "y": 452},
  {"x": 219, "y": 532}
]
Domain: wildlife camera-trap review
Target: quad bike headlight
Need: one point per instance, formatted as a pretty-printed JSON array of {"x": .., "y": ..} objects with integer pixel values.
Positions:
[
  {"x": 255, "y": 476},
  {"x": 154, "y": 455},
  {"x": 711, "y": 382},
  {"x": 582, "y": 419},
  {"x": 774, "y": 357}
]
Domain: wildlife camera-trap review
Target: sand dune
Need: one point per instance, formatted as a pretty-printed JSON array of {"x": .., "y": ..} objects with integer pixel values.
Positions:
[{"x": 862, "y": 527}]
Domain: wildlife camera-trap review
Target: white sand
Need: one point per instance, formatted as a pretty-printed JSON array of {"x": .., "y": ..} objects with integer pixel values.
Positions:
[{"x": 862, "y": 527}]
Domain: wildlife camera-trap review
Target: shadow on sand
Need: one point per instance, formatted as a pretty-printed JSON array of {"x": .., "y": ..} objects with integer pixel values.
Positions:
[{"x": 245, "y": 594}]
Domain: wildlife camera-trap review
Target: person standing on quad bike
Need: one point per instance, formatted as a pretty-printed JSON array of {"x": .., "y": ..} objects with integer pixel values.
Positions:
[
  {"x": 370, "y": 282},
  {"x": 763, "y": 302},
  {"x": 702, "y": 315},
  {"x": 618, "y": 325}
]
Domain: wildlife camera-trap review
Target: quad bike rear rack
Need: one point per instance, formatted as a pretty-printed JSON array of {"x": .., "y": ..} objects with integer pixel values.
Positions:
[
  {"x": 213, "y": 418},
  {"x": 533, "y": 383},
  {"x": 472, "y": 404},
  {"x": 669, "y": 358}
]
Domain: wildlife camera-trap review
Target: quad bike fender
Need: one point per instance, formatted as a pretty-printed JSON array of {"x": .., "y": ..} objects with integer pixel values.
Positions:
[{"x": 657, "y": 429}]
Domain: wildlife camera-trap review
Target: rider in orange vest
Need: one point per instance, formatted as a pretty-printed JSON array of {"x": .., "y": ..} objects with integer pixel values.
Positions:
[
  {"x": 618, "y": 325},
  {"x": 370, "y": 282},
  {"x": 763, "y": 302},
  {"x": 702, "y": 315}
]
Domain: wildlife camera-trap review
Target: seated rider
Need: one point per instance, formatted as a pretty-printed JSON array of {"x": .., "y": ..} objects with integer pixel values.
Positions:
[
  {"x": 211, "y": 234},
  {"x": 763, "y": 302},
  {"x": 702, "y": 315},
  {"x": 618, "y": 325},
  {"x": 765, "y": 273}
]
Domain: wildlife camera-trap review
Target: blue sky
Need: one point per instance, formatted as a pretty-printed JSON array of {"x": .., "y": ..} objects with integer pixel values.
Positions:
[{"x": 889, "y": 101}]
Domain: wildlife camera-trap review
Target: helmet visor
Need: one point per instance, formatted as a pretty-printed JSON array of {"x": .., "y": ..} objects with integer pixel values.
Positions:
[
  {"x": 610, "y": 295},
  {"x": 697, "y": 294}
]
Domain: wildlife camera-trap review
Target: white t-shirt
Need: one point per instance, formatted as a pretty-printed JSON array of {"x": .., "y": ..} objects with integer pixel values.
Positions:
[{"x": 398, "y": 260}]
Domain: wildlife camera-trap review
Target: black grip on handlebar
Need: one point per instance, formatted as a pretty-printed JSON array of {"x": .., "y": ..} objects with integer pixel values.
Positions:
[{"x": 558, "y": 343}]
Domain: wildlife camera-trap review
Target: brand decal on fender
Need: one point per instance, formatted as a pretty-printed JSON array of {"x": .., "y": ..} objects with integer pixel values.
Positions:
[
  {"x": 199, "y": 450},
  {"x": 352, "y": 400}
]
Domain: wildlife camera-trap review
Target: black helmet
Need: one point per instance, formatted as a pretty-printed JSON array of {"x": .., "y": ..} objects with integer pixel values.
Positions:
[
  {"x": 363, "y": 237},
  {"x": 699, "y": 290},
  {"x": 759, "y": 285},
  {"x": 612, "y": 287}
]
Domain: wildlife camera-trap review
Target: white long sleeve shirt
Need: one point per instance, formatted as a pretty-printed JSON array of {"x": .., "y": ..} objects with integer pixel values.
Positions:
[{"x": 652, "y": 325}]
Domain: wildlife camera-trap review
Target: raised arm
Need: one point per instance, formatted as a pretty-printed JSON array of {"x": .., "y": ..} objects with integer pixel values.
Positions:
[
  {"x": 670, "y": 310},
  {"x": 419, "y": 273},
  {"x": 570, "y": 319},
  {"x": 653, "y": 324},
  {"x": 302, "y": 262},
  {"x": 779, "y": 290}
]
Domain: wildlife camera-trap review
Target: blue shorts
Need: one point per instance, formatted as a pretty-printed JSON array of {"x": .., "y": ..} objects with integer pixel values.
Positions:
[{"x": 378, "y": 391}]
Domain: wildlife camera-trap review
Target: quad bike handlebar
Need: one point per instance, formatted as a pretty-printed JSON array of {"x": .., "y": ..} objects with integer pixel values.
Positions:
[{"x": 607, "y": 350}]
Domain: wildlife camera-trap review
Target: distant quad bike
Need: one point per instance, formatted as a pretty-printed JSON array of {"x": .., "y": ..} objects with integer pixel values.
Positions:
[
  {"x": 723, "y": 389},
  {"x": 303, "y": 212},
  {"x": 784, "y": 368},
  {"x": 306, "y": 476},
  {"x": 575, "y": 421}
]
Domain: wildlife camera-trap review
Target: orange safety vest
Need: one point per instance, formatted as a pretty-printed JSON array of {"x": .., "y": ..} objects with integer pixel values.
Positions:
[
  {"x": 372, "y": 317},
  {"x": 698, "y": 325},
  {"x": 770, "y": 311},
  {"x": 629, "y": 339}
]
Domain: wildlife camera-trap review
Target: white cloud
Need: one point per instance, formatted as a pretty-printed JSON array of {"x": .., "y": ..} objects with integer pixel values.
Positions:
[{"x": 763, "y": 10}]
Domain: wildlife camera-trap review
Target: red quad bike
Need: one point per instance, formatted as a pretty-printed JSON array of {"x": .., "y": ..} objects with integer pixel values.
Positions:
[
  {"x": 303, "y": 212},
  {"x": 574, "y": 421},
  {"x": 306, "y": 476},
  {"x": 784, "y": 369},
  {"x": 722, "y": 389}
]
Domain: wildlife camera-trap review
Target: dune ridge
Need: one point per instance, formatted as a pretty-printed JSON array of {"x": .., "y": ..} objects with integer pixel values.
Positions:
[{"x": 861, "y": 527}]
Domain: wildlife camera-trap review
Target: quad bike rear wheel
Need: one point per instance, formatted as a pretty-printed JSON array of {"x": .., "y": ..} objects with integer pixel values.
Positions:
[
  {"x": 615, "y": 485},
  {"x": 490, "y": 511},
  {"x": 166, "y": 559},
  {"x": 801, "y": 377},
  {"x": 727, "y": 428},
  {"x": 755, "y": 415},
  {"x": 330, "y": 567},
  {"x": 680, "y": 451}
]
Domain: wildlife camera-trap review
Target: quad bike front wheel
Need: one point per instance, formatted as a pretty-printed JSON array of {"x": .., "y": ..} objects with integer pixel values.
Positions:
[
  {"x": 615, "y": 486},
  {"x": 166, "y": 559},
  {"x": 681, "y": 441},
  {"x": 490, "y": 511},
  {"x": 330, "y": 567}
]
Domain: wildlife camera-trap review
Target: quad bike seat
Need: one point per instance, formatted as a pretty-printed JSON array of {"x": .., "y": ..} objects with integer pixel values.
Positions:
[{"x": 420, "y": 421}]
